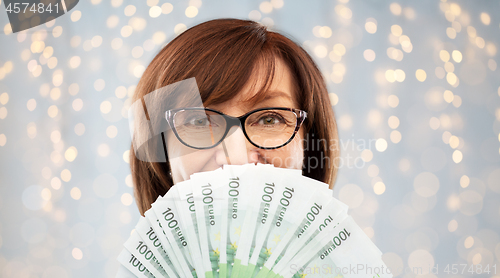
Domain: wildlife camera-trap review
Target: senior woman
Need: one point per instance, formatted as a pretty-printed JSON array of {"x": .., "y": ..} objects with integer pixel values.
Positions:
[{"x": 263, "y": 98}]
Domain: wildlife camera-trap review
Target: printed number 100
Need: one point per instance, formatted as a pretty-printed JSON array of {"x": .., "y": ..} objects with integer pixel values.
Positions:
[{"x": 343, "y": 235}]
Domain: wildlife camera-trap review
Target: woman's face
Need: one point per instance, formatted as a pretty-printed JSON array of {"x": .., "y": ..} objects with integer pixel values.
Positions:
[{"x": 185, "y": 161}]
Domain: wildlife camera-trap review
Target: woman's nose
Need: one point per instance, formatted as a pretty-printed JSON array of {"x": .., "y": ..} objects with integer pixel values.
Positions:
[{"x": 235, "y": 149}]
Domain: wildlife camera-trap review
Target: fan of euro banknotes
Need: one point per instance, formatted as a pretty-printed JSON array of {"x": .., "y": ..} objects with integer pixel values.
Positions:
[{"x": 249, "y": 221}]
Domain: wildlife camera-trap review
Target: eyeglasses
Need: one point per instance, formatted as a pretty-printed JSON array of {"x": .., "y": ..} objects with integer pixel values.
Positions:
[{"x": 205, "y": 128}]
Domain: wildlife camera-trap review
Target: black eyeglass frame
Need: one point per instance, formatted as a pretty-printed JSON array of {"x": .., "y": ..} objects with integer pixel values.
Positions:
[{"x": 236, "y": 121}]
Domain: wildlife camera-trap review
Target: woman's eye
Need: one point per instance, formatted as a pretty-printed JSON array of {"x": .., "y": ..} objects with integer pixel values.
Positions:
[
  {"x": 199, "y": 122},
  {"x": 269, "y": 120}
]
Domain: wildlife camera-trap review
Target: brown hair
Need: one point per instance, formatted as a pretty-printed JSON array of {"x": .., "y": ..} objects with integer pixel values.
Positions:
[{"x": 222, "y": 54}]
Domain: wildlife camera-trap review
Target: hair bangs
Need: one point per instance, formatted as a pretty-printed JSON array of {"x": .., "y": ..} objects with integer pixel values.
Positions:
[
  {"x": 262, "y": 77},
  {"x": 259, "y": 77}
]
